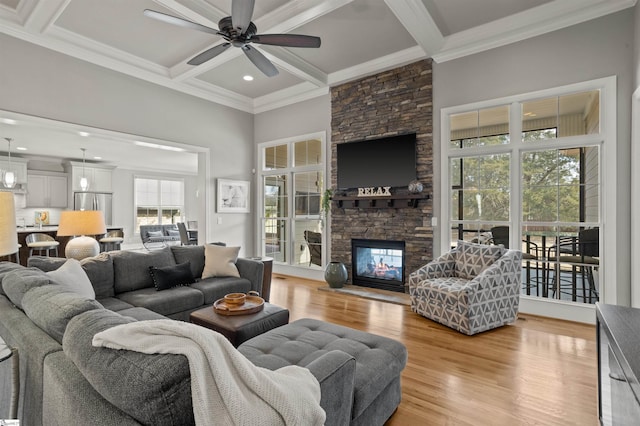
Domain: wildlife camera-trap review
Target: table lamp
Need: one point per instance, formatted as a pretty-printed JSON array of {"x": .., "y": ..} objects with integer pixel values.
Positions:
[
  {"x": 81, "y": 223},
  {"x": 8, "y": 229}
]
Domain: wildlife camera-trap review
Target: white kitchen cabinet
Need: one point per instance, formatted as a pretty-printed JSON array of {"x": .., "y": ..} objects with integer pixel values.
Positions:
[
  {"x": 99, "y": 177},
  {"x": 47, "y": 190},
  {"x": 18, "y": 166}
]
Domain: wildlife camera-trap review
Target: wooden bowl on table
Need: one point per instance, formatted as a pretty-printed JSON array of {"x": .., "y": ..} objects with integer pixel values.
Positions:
[{"x": 235, "y": 299}]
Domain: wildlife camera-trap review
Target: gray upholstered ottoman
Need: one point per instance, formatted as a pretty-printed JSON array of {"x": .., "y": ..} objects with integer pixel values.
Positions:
[{"x": 379, "y": 362}]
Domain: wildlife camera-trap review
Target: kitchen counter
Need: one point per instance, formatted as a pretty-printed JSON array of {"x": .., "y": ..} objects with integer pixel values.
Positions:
[{"x": 32, "y": 229}]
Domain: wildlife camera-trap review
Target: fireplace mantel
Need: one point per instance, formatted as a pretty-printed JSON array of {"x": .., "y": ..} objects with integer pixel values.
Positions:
[{"x": 380, "y": 202}]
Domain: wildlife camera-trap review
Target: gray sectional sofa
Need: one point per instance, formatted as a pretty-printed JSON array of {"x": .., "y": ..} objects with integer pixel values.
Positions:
[{"x": 65, "y": 380}]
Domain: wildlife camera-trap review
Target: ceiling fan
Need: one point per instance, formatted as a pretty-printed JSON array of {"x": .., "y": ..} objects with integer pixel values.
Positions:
[{"x": 239, "y": 31}]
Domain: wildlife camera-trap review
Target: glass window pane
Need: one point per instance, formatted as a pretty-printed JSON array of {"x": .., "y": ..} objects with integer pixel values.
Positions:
[
  {"x": 307, "y": 254},
  {"x": 307, "y": 152},
  {"x": 561, "y": 116},
  {"x": 307, "y": 187},
  {"x": 275, "y": 193},
  {"x": 275, "y": 157},
  {"x": 275, "y": 241},
  {"x": 485, "y": 127}
]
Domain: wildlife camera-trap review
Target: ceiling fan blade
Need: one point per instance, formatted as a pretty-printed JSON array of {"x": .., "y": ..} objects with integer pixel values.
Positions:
[
  {"x": 287, "y": 40},
  {"x": 260, "y": 61},
  {"x": 241, "y": 12},
  {"x": 209, "y": 54},
  {"x": 178, "y": 21}
]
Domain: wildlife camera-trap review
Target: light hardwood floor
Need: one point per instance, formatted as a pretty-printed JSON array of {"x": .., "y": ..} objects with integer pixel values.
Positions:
[{"x": 538, "y": 371}]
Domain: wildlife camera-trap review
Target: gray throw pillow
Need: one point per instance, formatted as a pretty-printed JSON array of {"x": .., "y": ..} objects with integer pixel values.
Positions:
[
  {"x": 153, "y": 389},
  {"x": 152, "y": 234},
  {"x": 192, "y": 254}
]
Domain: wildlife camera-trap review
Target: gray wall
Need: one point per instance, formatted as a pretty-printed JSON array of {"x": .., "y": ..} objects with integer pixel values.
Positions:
[
  {"x": 595, "y": 49},
  {"x": 43, "y": 83}
]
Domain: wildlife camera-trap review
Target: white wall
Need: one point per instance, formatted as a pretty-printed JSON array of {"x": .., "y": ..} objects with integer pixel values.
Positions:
[
  {"x": 595, "y": 49},
  {"x": 43, "y": 83},
  {"x": 300, "y": 119}
]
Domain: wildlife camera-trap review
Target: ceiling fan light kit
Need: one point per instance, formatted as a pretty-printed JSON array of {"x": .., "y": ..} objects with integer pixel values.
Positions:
[{"x": 238, "y": 31}]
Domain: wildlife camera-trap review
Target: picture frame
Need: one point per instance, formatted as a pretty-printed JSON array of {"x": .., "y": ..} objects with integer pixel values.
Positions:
[{"x": 233, "y": 196}]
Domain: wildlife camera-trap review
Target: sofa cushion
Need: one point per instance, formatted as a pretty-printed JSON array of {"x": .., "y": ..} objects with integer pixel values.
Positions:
[
  {"x": 114, "y": 304},
  {"x": 141, "y": 314},
  {"x": 167, "y": 302},
  {"x": 99, "y": 269},
  {"x": 165, "y": 277},
  {"x": 192, "y": 254},
  {"x": 52, "y": 306},
  {"x": 131, "y": 269},
  {"x": 17, "y": 282},
  {"x": 6, "y": 267},
  {"x": 153, "y": 389},
  {"x": 73, "y": 278},
  {"x": 472, "y": 259},
  {"x": 220, "y": 261},
  {"x": 216, "y": 288},
  {"x": 151, "y": 234}
]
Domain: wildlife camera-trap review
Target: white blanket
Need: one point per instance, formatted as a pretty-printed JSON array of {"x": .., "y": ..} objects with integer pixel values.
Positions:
[{"x": 225, "y": 386}]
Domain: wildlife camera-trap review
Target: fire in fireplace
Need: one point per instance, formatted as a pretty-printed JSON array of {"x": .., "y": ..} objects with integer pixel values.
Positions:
[{"x": 378, "y": 264}]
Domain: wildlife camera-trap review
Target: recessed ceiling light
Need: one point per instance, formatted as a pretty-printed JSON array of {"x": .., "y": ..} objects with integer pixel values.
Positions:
[
  {"x": 158, "y": 146},
  {"x": 21, "y": 148},
  {"x": 85, "y": 134},
  {"x": 97, "y": 158},
  {"x": 8, "y": 121},
  {"x": 248, "y": 78}
]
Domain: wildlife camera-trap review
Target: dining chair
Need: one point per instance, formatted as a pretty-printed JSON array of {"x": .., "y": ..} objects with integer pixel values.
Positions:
[
  {"x": 500, "y": 236},
  {"x": 583, "y": 254},
  {"x": 185, "y": 238},
  {"x": 314, "y": 242}
]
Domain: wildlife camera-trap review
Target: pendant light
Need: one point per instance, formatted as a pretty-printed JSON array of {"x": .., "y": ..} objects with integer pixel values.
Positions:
[
  {"x": 84, "y": 182},
  {"x": 9, "y": 177}
]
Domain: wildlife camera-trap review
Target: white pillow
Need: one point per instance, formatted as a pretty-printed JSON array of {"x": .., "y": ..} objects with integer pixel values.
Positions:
[
  {"x": 71, "y": 276},
  {"x": 220, "y": 261}
]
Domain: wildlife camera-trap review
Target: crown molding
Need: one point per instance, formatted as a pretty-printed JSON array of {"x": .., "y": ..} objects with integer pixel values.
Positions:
[
  {"x": 540, "y": 20},
  {"x": 413, "y": 15},
  {"x": 289, "y": 96}
]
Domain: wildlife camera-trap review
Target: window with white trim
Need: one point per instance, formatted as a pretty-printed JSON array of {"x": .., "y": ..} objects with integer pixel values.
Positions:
[{"x": 158, "y": 201}]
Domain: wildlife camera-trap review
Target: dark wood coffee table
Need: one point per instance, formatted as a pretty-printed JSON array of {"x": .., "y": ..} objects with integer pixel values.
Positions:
[{"x": 240, "y": 328}]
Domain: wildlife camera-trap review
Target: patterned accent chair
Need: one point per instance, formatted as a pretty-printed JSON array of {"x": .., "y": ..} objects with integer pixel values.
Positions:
[{"x": 473, "y": 288}]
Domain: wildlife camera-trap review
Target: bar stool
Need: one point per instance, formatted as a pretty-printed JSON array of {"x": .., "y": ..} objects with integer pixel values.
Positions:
[
  {"x": 41, "y": 243},
  {"x": 111, "y": 241}
]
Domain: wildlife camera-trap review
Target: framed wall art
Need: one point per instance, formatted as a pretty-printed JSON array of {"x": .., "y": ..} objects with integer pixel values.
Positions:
[{"x": 233, "y": 196}]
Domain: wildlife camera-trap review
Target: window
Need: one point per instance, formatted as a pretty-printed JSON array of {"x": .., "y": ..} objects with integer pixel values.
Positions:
[
  {"x": 292, "y": 178},
  {"x": 540, "y": 179},
  {"x": 158, "y": 202}
]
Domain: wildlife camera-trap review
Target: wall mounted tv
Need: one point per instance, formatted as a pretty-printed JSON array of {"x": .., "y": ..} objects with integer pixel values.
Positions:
[{"x": 389, "y": 161}]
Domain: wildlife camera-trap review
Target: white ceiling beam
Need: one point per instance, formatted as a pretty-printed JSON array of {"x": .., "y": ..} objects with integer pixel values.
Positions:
[
  {"x": 533, "y": 22},
  {"x": 295, "y": 65},
  {"x": 44, "y": 15},
  {"x": 295, "y": 14},
  {"x": 413, "y": 15},
  {"x": 198, "y": 11}
]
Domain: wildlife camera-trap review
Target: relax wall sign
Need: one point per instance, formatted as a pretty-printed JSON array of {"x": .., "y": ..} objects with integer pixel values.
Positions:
[{"x": 380, "y": 191}]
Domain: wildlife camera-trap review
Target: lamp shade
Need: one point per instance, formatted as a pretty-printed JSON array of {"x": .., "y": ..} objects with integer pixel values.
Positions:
[
  {"x": 81, "y": 222},
  {"x": 8, "y": 230}
]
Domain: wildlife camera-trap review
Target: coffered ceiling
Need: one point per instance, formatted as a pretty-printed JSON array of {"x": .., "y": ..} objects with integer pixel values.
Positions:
[{"x": 359, "y": 38}]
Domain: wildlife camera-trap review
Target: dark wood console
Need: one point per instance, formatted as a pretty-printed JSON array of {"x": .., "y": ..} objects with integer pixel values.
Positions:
[
  {"x": 618, "y": 336},
  {"x": 389, "y": 201}
]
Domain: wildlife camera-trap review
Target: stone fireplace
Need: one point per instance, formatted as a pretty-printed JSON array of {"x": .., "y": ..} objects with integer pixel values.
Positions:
[{"x": 395, "y": 102}]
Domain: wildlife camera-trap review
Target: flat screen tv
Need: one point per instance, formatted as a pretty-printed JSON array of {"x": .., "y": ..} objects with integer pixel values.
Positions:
[{"x": 389, "y": 161}]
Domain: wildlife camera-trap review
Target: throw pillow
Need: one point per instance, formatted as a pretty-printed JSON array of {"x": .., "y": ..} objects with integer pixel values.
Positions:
[
  {"x": 151, "y": 234},
  {"x": 74, "y": 278},
  {"x": 171, "y": 276},
  {"x": 173, "y": 233},
  {"x": 220, "y": 261},
  {"x": 472, "y": 259}
]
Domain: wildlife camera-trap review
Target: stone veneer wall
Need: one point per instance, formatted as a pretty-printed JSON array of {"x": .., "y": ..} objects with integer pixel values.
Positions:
[{"x": 394, "y": 102}]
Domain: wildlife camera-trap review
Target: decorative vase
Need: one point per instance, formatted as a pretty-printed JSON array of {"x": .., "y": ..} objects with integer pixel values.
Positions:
[{"x": 335, "y": 274}]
